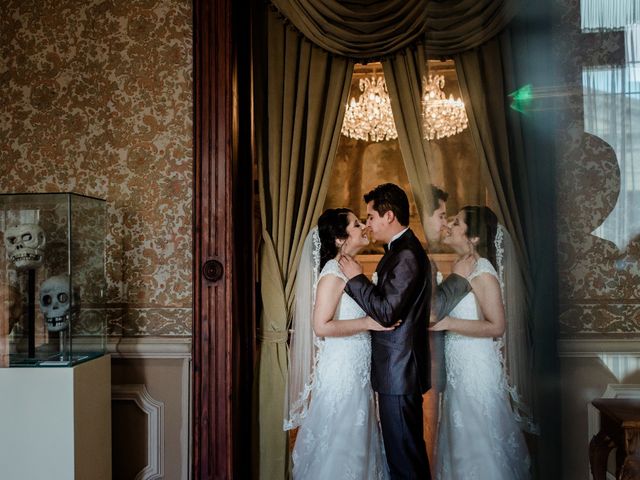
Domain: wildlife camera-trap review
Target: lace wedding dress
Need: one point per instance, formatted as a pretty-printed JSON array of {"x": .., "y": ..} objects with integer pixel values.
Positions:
[
  {"x": 340, "y": 437},
  {"x": 478, "y": 437}
]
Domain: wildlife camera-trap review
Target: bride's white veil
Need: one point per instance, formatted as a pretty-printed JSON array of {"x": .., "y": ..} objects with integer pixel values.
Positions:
[
  {"x": 302, "y": 351},
  {"x": 516, "y": 341}
]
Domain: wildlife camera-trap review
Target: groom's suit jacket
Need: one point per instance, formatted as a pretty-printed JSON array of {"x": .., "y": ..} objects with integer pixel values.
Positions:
[
  {"x": 448, "y": 294},
  {"x": 443, "y": 299},
  {"x": 399, "y": 358}
]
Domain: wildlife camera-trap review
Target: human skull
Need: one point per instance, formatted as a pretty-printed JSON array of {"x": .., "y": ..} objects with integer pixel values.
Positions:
[
  {"x": 25, "y": 245},
  {"x": 55, "y": 301}
]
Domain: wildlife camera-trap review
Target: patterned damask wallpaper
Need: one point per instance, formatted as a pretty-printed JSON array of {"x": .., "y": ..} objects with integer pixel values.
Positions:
[
  {"x": 599, "y": 284},
  {"x": 96, "y": 98}
]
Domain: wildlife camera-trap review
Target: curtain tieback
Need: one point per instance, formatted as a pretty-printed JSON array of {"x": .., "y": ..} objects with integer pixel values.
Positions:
[{"x": 271, "y": 336}]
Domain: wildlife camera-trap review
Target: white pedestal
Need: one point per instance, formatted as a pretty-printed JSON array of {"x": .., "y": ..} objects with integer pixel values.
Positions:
[{"x": 55, "y": 423}]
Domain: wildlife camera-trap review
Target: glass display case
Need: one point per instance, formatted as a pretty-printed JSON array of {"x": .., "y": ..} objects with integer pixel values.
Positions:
[{"x": 52, "y": 279}]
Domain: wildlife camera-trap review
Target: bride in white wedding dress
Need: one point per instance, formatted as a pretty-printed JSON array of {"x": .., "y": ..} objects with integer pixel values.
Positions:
[
  {"x": 329, "y": 393},
  {"x": 479, "y": 437}
]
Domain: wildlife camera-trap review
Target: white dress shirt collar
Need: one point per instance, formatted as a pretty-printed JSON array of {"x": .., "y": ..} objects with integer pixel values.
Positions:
[{"x": 396, "y": 236}]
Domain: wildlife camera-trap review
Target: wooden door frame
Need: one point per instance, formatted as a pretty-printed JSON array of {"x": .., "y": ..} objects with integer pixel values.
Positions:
[{"x": 224, "y": 272}]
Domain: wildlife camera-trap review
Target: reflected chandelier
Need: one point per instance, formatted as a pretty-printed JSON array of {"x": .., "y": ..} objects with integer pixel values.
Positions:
[
  {"x": 369, "y": 118},
  {"x": 442, "y": 116}
]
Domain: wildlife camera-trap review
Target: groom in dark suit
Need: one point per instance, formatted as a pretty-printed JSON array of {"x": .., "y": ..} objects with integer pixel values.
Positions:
[{"x": 400, "y": 290}]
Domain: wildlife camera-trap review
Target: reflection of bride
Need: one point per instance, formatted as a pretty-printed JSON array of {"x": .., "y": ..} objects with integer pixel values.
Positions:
[
  {"x": 329, "y": 394},
  {"x": 479, "y": 436}
]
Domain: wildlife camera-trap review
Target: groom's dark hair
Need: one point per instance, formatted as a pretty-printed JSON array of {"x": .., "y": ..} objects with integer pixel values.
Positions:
[
  {"x": 389, "y": 196},
  {"x": 437, "y": 194}
]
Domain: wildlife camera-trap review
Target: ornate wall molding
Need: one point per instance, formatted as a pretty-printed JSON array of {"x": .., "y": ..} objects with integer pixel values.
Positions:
[
  {"x": 149, "y": 347},
  {"x": 143, "y": 347},
  {"x": 595, "y": 347},
  {"x": 605, "y": 316},
  {"x": 154, "y": 410}
]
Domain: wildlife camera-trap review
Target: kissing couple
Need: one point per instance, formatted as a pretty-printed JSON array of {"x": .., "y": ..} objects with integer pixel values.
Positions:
[{"x": 354, "y": 336}]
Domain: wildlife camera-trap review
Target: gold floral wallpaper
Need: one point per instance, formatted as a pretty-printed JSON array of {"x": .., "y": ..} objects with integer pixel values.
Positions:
[
  {"x": 96, "y": 98},
  {"x": 599, "y": 285}
]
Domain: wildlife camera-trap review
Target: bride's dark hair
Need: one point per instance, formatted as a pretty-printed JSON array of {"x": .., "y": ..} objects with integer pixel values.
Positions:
[
  {"x": 482, "y": 223},
  {"x": 332, "y": 225}
]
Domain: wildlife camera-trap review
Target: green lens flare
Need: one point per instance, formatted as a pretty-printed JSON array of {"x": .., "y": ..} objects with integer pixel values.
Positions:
[{"x": 522, "y": 98}]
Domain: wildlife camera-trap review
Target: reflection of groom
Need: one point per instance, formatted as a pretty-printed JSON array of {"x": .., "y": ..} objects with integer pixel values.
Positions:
[
  {"x": 400, "y": 358},
  {"x": 446, "y": 295}
]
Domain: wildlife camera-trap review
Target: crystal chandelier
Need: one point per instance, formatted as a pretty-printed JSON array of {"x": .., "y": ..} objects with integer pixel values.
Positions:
[
  {"x": 442, "y": 116},
  {"x": 369, "y": 118}
]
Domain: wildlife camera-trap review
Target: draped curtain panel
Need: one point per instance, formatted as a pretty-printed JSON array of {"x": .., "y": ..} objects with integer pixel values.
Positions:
[
  {"x": 526, "y": 47},
  {"x": 454, "y": 26},
  {"x": 482, "y": 75},
  {"x": 307, "y": 92},
  {"x": 370, "y": 29},
  {"x": 358, "y": 29},
  {"x": 403, "y": 74}
]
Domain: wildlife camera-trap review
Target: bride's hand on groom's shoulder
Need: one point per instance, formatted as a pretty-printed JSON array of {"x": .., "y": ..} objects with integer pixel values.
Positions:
[
  {"x": 349, "y": 266},
  {"x": 439, "y": 326},
  {"x": 376, "y": 327}
]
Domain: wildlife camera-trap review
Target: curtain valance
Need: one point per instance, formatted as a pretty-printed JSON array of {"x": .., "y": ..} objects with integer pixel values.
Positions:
[
  {"x": 366, "y": 29},
  {"x": 454, "y": 26}
]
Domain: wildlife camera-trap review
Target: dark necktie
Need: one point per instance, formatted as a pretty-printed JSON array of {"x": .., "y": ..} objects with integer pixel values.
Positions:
[{"x": 386, "y": 247}]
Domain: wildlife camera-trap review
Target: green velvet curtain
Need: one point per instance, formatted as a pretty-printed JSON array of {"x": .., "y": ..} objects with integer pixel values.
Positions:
[
  {"x": 481, "y": 75},
  {"x": 454, "y": 26},
  {"x": 357, "y": 29},
  {"x": 526, "y": 56},
  {"x": 485, "y": 75},
  {"x": 298, "y": 134},
  {"x": 365, "y": 29},
  {"x": 403, "y": 74}
]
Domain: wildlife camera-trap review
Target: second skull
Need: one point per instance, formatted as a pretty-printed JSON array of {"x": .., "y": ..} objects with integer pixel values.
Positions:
[{"x": 55, "y": 302}]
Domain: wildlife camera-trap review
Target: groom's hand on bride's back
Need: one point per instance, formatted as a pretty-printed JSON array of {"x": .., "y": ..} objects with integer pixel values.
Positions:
[
  {"x": 349, "y": 266},
  {"x": 464, "y": 266}
]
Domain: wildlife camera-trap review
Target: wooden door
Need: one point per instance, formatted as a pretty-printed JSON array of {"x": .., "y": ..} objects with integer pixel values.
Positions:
[{"x": 223, "y": 283}]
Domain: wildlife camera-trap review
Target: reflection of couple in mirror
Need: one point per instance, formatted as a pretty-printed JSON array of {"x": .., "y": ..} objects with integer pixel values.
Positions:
[{"x": 354, "y": 336}]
